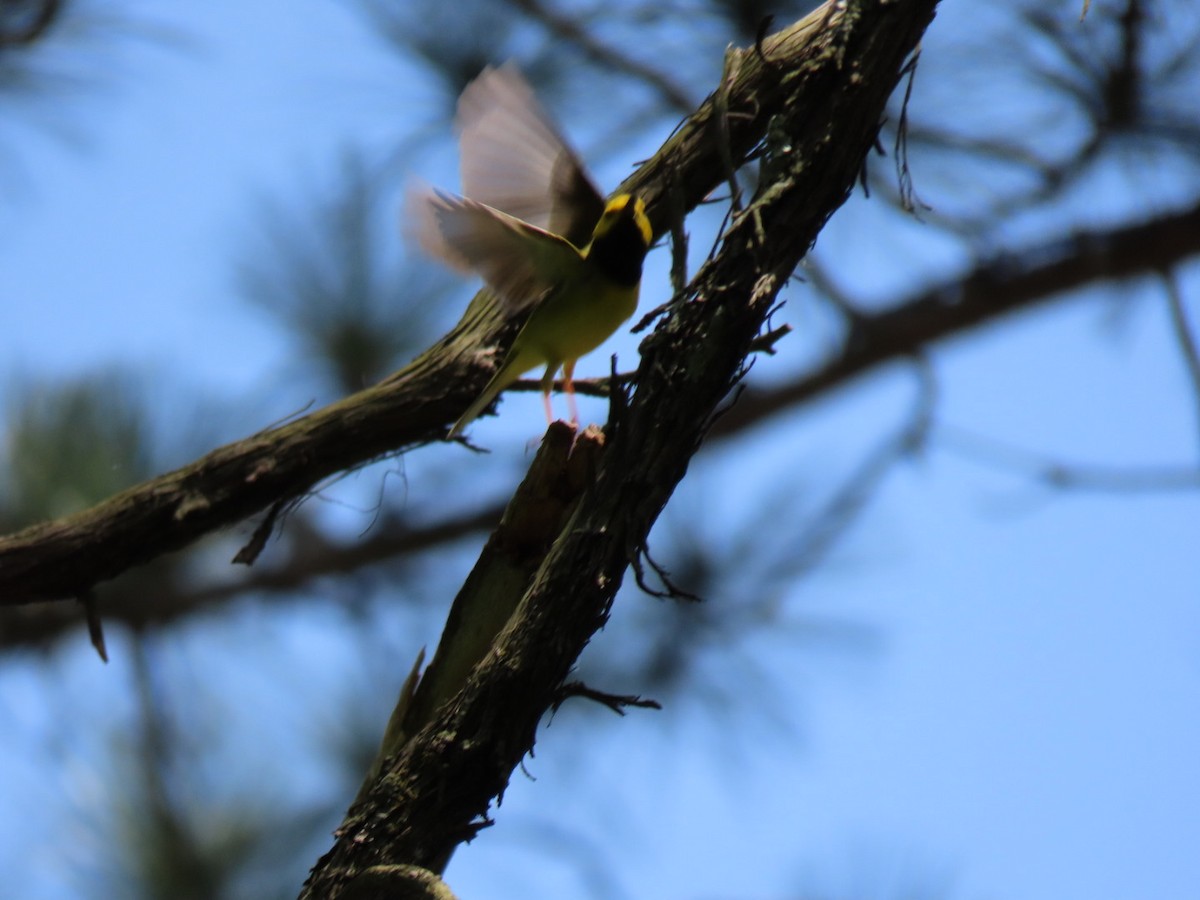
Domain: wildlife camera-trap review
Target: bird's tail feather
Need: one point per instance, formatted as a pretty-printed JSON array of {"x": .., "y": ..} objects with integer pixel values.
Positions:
[{"x": 513, "y": 368}]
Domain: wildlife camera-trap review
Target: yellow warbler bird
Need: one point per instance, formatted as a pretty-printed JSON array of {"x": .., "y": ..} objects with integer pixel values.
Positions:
[{"x": 537, "y": 231}]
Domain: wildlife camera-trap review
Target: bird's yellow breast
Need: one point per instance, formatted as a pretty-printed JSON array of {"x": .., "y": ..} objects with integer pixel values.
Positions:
[{"x": 579, "y": 317}]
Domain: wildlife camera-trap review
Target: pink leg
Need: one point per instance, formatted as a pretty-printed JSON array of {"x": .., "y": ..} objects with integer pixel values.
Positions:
[
  {"x": 569, "y": 386},
  {"x": 547, "y": 384}
]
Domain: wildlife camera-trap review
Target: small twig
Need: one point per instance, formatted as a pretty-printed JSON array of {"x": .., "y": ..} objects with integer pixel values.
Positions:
[
  {"x": 720, "y": 121},
  {"x": 262, "y": 533},
  {"x": 909, "y": 201},
  {"x": 588, "y": 387},
  {"x": 764, "y": 28},
  {"x": 671, "y": 590},
  {"x": 570, "y": 30},
  {"x": 649, "y": 318},
  {"x": 1183, "y": 333},
  {"x": 765, "y": 343},
  {"x": 1057, "y": 474},
  {"x": 616, "y": 702},
  {"x": 95, "y": 627}
]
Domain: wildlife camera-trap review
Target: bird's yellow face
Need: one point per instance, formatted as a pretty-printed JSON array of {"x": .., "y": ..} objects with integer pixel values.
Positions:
[
  {"x": 625, "y": 208},
  {"x": 621, "y": 239}
]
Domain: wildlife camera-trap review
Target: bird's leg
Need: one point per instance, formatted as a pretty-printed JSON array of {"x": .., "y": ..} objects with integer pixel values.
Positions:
[
  {"x": 547, "y": 385},
  {"x": 569, "y": 387}
]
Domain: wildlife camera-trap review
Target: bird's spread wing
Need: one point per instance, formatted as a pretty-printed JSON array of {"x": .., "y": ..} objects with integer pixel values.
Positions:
[
  {"x": 519, "y": 262},
  {"x": 514, "y": 159}
]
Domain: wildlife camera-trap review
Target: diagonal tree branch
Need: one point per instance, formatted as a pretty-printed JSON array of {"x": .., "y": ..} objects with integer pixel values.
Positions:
[
  {"x": 67, "y": 557},
  {"x": 142, "y": 605},
  {"x": 436, "y": 791},
  {"x": 1005, "y": 286},
  {"x": 1009, "y": 284}
]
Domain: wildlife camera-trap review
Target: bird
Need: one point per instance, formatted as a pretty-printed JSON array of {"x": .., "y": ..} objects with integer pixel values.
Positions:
[{"x": 531, "y": 223}]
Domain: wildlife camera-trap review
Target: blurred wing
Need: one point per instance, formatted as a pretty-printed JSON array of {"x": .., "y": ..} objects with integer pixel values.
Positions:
[
  {"x": 519, "y": 262},
  {"x": 514, "y": 159}
]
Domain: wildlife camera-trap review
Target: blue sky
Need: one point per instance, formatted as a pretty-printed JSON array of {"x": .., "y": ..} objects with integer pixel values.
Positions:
[{"x": 1028, "y": 727}]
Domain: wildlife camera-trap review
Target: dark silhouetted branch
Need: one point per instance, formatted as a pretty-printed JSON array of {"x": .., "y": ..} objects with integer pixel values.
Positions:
[
  {"x": 437, "y": 789},
  {"x": 66, "y": 557}
]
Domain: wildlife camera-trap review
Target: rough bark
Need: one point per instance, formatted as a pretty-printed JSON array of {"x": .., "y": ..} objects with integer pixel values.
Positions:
[
  {"x": 67, "y": 557},
  {"x": 997, "y": 288},
  {"x": 436, "y": 789}
]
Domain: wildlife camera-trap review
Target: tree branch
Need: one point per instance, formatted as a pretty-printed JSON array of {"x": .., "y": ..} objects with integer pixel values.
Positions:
[
  {"x": 20, "y": 26},
  {"x": 1005, "y": 286},
  {"x": 66, "y": 557},
  {"x": 568, "y": 29},
  {"x": 309, "y": 558},
  {"x": 436, "y": 791},
  {"x": 1012, "y": 283}
]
